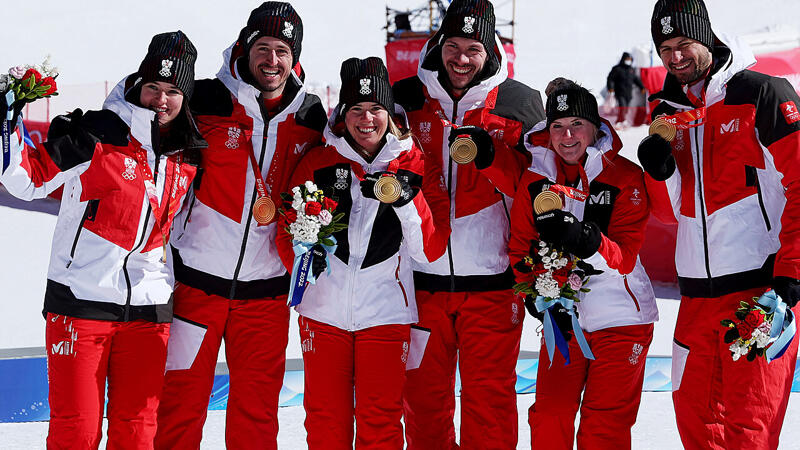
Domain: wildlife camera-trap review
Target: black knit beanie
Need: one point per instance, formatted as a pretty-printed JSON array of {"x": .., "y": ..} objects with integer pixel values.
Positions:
[
  {"x": 365, "y": 80},
  {"x": 170, "y": 58},
  {"x": 676, "y": 18},
  {"x": 274, "y": 19},
  {"x": 571, "y": 100},
  {"x": 473, "y": 19}
]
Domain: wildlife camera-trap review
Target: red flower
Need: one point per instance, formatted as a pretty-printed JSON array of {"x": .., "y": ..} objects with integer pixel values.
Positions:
[
  {"x": 291, "y": 215},
  {"x": 313, "y": 208},
  {"x": 745, "y": 330},
  {"x": 36, "y": 75},
  {"x": 51, "y": 82},
  {"x": 754, "y": 318},
  {"x": 329, "y": 204}
]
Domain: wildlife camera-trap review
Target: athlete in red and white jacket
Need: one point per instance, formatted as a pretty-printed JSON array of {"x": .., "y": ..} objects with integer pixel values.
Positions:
[
  {"x": 736, "y": 198},
  {"x": 573, "y": 147},
  {"x": 355, "y": 321},
  {"x": 108, "y": 300},
  {"x": 464, "y": 297},
  {"x": 258, "y": 120}
]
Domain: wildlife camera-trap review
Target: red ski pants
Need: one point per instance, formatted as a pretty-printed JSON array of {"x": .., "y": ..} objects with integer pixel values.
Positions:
[
  {"x": 83, "y": 354},
  {"x": 481, "y": 331},
  {"x": 256, "y": 333},
  {"x": 611, "y": 386},
  {"x": 721, "y": 403},
  {"x": 371, "y": 362}
]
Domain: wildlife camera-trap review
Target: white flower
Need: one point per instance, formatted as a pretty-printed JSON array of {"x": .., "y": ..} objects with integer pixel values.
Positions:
[
  {"x": 542, "y": 244},
  {"x": 761, "y": 338},
  {"x": 546, "y": 286},
  {"x": 296, "y": 191},
  {"x": 311, "y": 187},
  {"x": 5, "y": 79},
  {"x": 325, "y": 217},
  {"x": 298, "y": 204},
  {"x": 17, "y": 72},
  {"x": 543, "y": 251},
  {"x": 47, "y": 68},
  {"x": 739, "y": 349}
]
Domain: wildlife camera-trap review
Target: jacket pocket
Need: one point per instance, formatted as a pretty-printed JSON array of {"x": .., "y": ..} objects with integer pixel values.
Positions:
[
  {"x": 89, "y": 214},
  {"x": 400, "y": 283},
  {"x": 680, "y": 352},
  {"x": 185, "y": 339},
  {"x": 630, "y": 292},
  {"x": 751, "y": 180}
]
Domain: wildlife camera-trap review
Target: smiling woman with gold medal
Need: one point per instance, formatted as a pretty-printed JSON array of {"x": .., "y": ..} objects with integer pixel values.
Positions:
[{"x": 580, "y": 196}]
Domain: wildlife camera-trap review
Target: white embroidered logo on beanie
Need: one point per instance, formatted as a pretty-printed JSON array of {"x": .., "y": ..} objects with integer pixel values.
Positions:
[
  {"x": 252, "y": 35},
  {"x": 667, "y": 29},
  {"x": 468, "y": 23},
  {"x": 562, "y": 102},
  {"x": 166, "y": 66},
  {"x": 287, "y": 29},
  {"x": 365, "y": 90}
]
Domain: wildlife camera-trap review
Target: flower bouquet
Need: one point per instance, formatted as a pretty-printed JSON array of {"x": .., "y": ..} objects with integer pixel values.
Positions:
[
  {"x": 21, "y": 85},
  {"x": 312, "y": 220},
  {"x": 555, "y": 280},
  {"x": 763, "y": 329}
]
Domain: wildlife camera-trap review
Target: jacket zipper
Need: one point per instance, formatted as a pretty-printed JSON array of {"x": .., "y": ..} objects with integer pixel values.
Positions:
[
  {"x": 761, "y": 203},
  {"x": 701, "y": 197},
  {"x": 356, "y": 264},
  {"x": 400, "y": 283},
  {"x": 249, "y": 216},
  {"x": 78, "y": 233},
  {"x": 627, "y": 288},
  {"x": 450, "y": 197},
  {"x": 141, "y": 240}
]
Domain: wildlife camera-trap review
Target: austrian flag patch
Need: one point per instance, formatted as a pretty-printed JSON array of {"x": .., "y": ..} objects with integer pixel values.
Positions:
[{"x": 790, "y": 113}]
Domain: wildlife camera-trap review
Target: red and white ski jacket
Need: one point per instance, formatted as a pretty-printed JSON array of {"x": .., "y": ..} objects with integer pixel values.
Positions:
[
  {"x": 105, "y": 261},
  {"x": 370, "y": 282},
  {"x": 476, "y": 257},
  {"x": 617, "y": 204},
  {"x": 736, "y": 191},
  {"x": 220, "y": 248}
]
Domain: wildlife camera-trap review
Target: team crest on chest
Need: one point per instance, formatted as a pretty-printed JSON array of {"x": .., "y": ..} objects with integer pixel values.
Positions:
[
  {"x": 234, "y": 134},
  {"x": 166, "y": 68},
  {"x": 130, "y": 169},
  {"x": 666, "y": 28},
  {"x": 365, "y": 90},
  {"x": 677, "y": 143},
  {"x": 287, "y": 29},
  {"x": 468, "y": 23},
  {"x": 562, "y": 102},
  {"x": 636, "y": 198},
  {"x": 341, "y": 179}
]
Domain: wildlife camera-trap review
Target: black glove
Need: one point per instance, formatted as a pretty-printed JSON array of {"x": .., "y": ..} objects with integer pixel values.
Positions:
[
  {"x": 483, "y": 141},
  {"x": 407, "y": 192},
  {"x": 318, "y": 263},
  {"x": 561, "y": 228},
  {"x": 788, "y": 289},
  {"x": 559, "y": 313},
  {"x": 655, "y": 155}
]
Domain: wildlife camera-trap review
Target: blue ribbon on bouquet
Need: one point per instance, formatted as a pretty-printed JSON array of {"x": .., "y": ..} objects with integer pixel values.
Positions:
[
  {"x": 301, "y": 268},
  {"x": 783, "y": 326},
  {"x": 553, "y": 338},
  {"x": 6, "y": 130}
]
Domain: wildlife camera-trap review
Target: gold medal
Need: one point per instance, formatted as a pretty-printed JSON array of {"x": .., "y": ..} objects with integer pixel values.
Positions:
[
  {"x": 547, "y": 201},
  {"x": 463, "y": 150},
  {"x": 387, "y": 189},
  {"x": 263, "y": 210},
  {"x": 663, "y": 128}
]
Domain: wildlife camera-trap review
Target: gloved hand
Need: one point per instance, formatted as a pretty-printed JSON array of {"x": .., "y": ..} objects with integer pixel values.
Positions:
[
  {"x": 559, "y": 313},
  {"x": 483, "y": 141},
  {"x": 788, "y": 289},
  {"x": 407, "y": 192},
  {"x": 561, "y": 228},
  {"x": 655, "y": 156},
  {"x": 318, "y": 263}
]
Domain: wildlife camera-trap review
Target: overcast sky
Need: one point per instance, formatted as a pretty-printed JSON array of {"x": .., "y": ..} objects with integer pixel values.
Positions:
[{"x": 96, "y": 40}]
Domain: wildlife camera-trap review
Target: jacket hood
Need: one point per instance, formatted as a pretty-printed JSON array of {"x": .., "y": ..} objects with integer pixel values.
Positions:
[
  {"x": 537, "y": 142},
  {"x": 140, "y": 120},
  {"x": 730, "y": 56},
  {"x": 391, "y": 149},
  {"x": 430, "y": 62}
]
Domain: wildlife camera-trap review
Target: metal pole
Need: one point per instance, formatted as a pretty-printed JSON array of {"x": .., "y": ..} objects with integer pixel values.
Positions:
[{"x": 513, "y": 18}]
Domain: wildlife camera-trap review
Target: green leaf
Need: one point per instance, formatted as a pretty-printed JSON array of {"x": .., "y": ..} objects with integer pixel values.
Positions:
[
  {"x": 326, "y": 241},
  {"x": 727, "y": 323},
  {"x": 285, "y": 196},
  {"x": 30, "y": 82},
  {"x": 338, "y": 217}
]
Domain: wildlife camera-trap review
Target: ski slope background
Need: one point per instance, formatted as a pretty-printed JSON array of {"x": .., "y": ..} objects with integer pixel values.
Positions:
[{"x": 102, "y": 40}]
